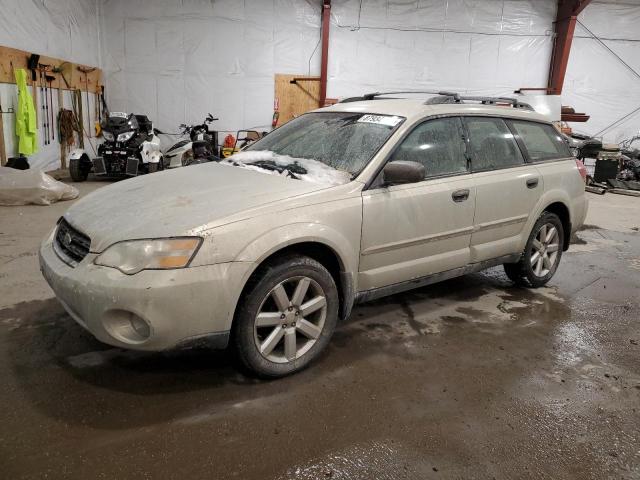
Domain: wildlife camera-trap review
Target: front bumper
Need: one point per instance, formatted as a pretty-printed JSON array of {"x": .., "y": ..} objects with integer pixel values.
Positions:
[{"x": 151, "y": 310}]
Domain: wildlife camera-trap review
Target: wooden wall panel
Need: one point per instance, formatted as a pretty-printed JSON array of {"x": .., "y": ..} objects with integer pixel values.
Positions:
[
  {"x": 13, "y": 58},
  {"x": 295, "y": 99}
]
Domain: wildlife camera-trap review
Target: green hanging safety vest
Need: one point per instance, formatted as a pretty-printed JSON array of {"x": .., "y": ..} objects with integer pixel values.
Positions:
[{"x": 26, "y": 126}]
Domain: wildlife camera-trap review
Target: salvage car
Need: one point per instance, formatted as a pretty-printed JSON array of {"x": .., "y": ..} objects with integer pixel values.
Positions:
[{"x": 267, "y": 250}]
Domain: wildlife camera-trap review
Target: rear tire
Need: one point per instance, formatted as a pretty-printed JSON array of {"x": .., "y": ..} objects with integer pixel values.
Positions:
[
  {"x": 286, "y": 316},
  {"x": 77, "y": 170},
  {"x": 542, "y": 254}
]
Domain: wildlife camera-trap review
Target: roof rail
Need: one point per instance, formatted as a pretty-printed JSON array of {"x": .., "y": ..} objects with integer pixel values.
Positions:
[
  {"x": 445, "y": 97},
  {"x": 374, "y": 95},
  {"x": 456, "y": 98}
]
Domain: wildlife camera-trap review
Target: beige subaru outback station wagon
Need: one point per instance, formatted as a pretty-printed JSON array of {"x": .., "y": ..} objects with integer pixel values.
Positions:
[{"x": 266, "y": 250}]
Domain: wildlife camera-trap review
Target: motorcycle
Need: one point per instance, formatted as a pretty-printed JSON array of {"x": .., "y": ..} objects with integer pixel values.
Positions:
[
  {"x": 201, "y": 146},
  {"x": 130, "y": 148}
]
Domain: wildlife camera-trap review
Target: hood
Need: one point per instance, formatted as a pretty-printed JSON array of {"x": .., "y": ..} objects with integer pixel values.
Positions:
[{"x": 174, "y": 202}]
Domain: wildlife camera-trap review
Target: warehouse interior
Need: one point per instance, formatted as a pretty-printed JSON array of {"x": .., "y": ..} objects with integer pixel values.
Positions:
[{"x": 470, "y": 376}]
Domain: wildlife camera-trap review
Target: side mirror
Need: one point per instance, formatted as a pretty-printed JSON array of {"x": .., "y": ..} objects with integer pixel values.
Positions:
[{"x": 401, "y": 171}]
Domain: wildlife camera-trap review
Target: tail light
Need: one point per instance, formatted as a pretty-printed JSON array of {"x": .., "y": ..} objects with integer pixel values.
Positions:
[{"x": 582, "y": 170}]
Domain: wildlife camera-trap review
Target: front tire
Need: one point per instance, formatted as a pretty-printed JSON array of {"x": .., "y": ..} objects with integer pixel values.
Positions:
[
  {"x": 542, "y": 254},
  {"x": 77, "y": 170},
  {"x": 286, "y": 317}
]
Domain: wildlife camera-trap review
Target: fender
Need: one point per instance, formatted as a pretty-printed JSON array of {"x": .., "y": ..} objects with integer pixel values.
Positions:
[
  {"x": 258, "y": 250},
  {"x": 173, "y": 154},
  {"x": 78, "y": 153},
  {"x": 555, "y": 195},
  {"x": 278, "y": 238},
  {"x": 150, "y": 150}
]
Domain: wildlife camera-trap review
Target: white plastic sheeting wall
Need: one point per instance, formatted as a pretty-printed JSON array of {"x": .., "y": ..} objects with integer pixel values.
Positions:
[
  {"x": 491, "y": 47},
  {"x": 597, "y": 83},
  {"x": 178, "y": 59},
  {"x": 67, "y": 29}
]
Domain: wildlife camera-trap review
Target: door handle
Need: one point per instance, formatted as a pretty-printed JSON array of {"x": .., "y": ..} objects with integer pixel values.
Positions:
[
  {"x": 532, "y": 182},
  {"x": 460, "y": 195}
]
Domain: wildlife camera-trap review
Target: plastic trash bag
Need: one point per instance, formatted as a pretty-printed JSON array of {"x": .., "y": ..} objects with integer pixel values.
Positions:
[{"x": 24, "y": 187}]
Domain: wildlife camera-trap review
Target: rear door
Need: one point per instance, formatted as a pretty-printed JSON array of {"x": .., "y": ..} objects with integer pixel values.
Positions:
[
  {"x": 414, "y": 230},
  {"x": 507, "y": 188}
]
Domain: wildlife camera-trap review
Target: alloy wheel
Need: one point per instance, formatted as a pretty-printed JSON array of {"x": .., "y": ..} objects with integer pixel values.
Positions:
[
  {"x": 544, "y": 250},
  {"x": 290, "y": 319}
]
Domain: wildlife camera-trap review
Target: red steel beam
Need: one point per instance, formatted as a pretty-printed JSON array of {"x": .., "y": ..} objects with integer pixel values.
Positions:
[
  {"x": 565, "y": 26},
  {"x": 326, "y": 16}
]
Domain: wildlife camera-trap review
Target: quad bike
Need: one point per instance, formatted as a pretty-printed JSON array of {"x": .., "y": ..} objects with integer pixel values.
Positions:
[
  {"x": 131, "y": 148},
  {"x": 201, "y": 146}
]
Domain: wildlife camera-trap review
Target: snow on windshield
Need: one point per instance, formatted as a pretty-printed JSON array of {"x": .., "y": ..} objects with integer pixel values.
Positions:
[{"x": 265, "y": 161}]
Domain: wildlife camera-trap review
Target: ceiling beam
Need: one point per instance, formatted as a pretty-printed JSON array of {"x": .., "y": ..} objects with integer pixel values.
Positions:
[
  {"x": 324, "y": 61},
  {"x": 564, "y": 28}
]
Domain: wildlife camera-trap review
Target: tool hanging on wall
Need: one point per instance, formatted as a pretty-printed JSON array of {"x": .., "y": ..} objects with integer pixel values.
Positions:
[
  {"x": 63, "y": 147},
  {"x": 52, "y": 124},
  {"x": 45, "y": 107},
  {"x": 32, "y": 64},
  {"x": 103, "y": 104},
  {"x": 3, "y": 152},
  {"x": 76, "y": 101},
  {"x": 64, "y": 69},
  {"x": 87, "y": 71},
  {"x": 96, "y": 114}
]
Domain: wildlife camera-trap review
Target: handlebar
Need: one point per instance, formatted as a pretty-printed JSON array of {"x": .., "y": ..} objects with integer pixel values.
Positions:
[{"x": 188, "y": 128}]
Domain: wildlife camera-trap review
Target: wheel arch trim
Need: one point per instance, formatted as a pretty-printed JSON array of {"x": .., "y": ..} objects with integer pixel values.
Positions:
[
  {"x": 556, "y": 199},
  {"x": 286, "y": 238}
]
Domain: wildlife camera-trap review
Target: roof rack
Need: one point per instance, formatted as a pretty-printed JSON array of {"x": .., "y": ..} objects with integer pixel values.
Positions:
[{"x": 446, "y": 97}]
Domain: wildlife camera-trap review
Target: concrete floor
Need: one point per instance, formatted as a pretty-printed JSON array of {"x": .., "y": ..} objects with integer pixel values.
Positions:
[{"x": 471, "y": 378}]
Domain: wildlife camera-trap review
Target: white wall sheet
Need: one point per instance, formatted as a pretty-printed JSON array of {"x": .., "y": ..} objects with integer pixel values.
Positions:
[
  {"x": 176, "y": 60},
  {"x": 472, "y": 46},
  {"x": 597, "y": 83},
  {"x": 65, "y": 29}
]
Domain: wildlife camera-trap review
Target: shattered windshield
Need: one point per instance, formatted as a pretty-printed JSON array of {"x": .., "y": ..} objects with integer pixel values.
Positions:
[{"x": 326, "y": 146}]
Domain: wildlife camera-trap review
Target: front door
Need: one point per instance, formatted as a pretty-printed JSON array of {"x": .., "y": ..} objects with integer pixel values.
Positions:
[{"x": 415, "y": 230}]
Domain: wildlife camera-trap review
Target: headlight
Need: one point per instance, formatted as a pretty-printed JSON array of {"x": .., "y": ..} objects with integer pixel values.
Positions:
[
  {"x": 107, "y": 136},
  {"x": 133, "y": 256},
  {"x": 123, "y": 137}
]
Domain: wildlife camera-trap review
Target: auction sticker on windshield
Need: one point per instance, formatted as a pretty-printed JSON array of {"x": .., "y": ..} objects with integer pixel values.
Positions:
[{"x": 388, "y": 120}]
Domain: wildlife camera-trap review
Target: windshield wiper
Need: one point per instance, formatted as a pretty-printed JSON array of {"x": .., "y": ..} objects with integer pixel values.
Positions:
[{"x": 293, "y": 169}]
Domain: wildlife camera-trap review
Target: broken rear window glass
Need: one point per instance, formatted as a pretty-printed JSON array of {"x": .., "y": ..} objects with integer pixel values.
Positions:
[{"x": 342, "y": 140}]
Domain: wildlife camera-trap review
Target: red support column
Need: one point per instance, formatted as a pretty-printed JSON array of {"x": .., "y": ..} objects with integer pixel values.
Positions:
[
  {"x": 326, "y": 17},
  {"x": 565, "y": 25}
]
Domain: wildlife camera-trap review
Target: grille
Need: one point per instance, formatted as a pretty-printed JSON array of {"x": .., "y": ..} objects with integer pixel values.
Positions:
[
  {"x": 71, "y": 242},
  {"x": 98, "y": 166},
  {"x": 132, "y": 166}
]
